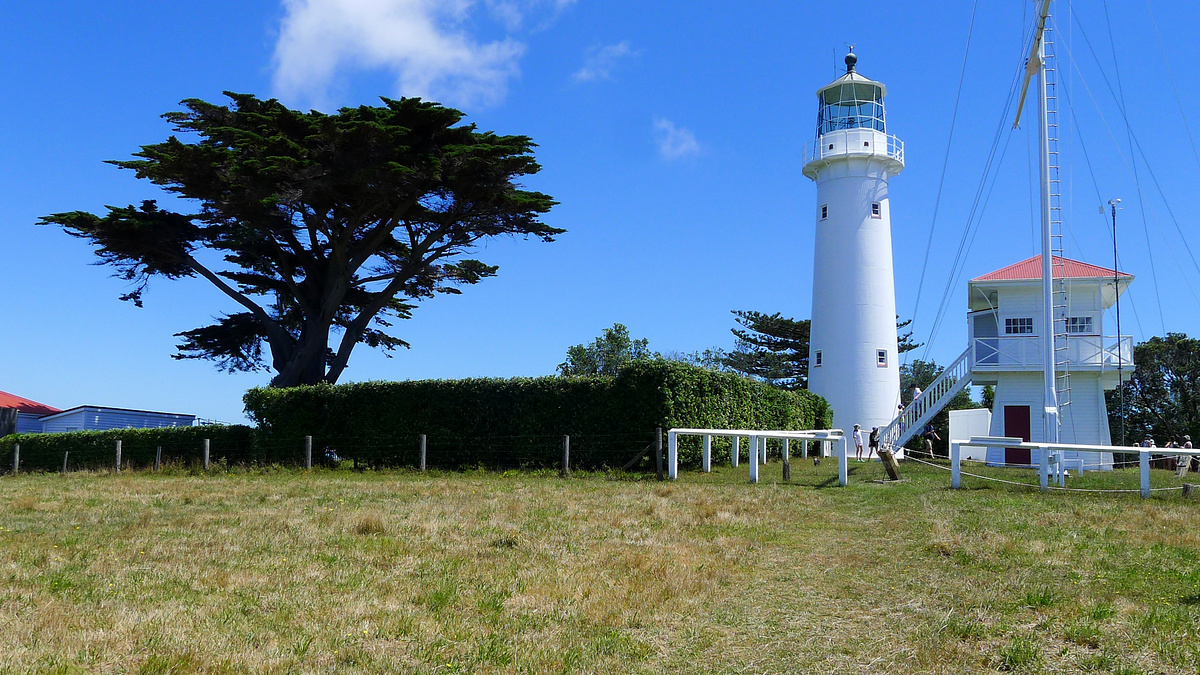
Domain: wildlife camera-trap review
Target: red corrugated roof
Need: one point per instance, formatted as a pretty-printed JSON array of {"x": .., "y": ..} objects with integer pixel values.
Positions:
[
  {"x": 1032, "y": 269},
  {"x": 8, "y": 400}
]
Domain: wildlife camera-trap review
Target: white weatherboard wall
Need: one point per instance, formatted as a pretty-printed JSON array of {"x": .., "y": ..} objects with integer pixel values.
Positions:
[{"x": 967, "y": 423}]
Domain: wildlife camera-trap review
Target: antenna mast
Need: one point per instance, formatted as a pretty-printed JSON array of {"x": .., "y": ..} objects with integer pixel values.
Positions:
[{"x": 1036, "y": 65}]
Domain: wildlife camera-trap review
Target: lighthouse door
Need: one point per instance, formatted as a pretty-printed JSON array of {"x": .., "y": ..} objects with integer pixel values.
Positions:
[{"x": 1016, "y": 425}]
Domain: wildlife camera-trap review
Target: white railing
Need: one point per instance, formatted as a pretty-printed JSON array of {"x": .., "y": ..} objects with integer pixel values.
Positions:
[
  {"x": 1051, "y": 458},
  {"x": 1019, "y": 352},
  {"x": 931, "y": 401},
  {"x": 851, "y": 142},
  {"x": 758, "y": 446}
]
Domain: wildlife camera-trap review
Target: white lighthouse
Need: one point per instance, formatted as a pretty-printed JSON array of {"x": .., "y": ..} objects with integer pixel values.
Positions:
[{"x": 852, "y": 348}]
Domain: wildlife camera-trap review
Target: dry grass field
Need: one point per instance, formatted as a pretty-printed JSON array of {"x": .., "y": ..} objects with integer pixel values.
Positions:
[{"x": 342, "y": 572}]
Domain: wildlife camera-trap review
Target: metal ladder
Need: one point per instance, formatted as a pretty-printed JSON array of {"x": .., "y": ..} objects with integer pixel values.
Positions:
[{"x": 1060, "y": 299}]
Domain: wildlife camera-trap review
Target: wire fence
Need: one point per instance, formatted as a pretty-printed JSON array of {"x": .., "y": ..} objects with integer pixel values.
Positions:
[{"x": 446, "y": 452}]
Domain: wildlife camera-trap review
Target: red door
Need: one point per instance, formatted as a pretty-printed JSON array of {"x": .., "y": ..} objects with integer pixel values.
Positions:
[{"x": 1016, "y": 425}]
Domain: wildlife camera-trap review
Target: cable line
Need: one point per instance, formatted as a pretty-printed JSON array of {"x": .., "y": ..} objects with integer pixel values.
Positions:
[{"x": 937, "y": 202}]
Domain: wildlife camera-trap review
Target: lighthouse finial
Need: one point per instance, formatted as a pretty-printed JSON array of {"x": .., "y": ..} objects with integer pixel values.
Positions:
[{"x": 851, "y": 59}]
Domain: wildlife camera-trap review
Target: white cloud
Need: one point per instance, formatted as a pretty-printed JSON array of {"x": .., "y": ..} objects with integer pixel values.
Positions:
[
  {"x": 514, "y": 12},
  {"x": 599, "y": 62},
  {"x": 422, "y": 41},
  {"x": 674, "y": 142}
]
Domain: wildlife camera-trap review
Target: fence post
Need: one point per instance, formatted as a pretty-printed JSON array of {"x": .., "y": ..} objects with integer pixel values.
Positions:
[
  {"x": 672, "y": 455},
  {"x": 843, "y": 469},
  {"x": 16, "y": 458},
  {"x": 421, "y": 459},
  {"x": 787, "y": 459},
  {"x": 706, "y": 454},
  {"x": 754, "y": 456},
  {"x": 566, "y": 460},
  {"x": 735, "y": 451},
  {"x": 308, "y": 452},
  {"x": 206, "y": 449},
  {"x": 117, "y": 462},
  {"x": 955, "y": 453},
  {"x": 1044, "y": 467},
  {"x": 658, "y": 458},
  {"x": 1144, "y": 466},
  {"x": 158, "y": 458},
  {"x": 65, "y": 453},
  {"x": 764, "y": 442}
]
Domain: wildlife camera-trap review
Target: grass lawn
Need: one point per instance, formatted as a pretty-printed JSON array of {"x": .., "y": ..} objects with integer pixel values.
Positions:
[{"x": 287, "y": 572}]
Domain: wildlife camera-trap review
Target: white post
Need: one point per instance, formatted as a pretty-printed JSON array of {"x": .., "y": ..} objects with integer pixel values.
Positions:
[
  {"x": 672, "y": 454},
  {"x": 787, "y": 459},
  {"x": 157, "y": 459},
  {"x": 206, "y": 449},
  {"x": 65, "y": 455},
  {"x": 1144, "y": 466},
  {"x": 753, "y": 459},
  {"x": 117, "y": 462},
  {"x": 804, "y": 449},
  {"x": 1044, "y": 467},
  {"x": 843, "y": 470},
  {"x": 736, "y": 450},
  {"x": 421, "y": 458},
  {"x": 706, "y": 455},
  {"x": 763, "y": 441},
  {"x": 955, "y": 478},
  {"x": 566, "y": 458}
]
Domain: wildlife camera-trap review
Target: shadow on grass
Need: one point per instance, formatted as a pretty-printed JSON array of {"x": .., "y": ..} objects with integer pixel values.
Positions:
[{"x": 1190, "y": 600}]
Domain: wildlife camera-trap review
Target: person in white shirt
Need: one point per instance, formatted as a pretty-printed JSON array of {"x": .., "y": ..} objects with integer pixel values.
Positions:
[{"x": 858, "y": 446}]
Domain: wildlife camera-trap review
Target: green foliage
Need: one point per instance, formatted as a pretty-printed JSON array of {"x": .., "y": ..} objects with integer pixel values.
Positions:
[
  {"x": 605, "y": 355},
  {"x": 1162, "y": 399},
  {"x": 773, "y": 348},
  {"x": 97, "y": 449},
  {"x": 322, "y": 228},
  {"x": 921, "y": 374},
  {"x": 521, "y": 420}
]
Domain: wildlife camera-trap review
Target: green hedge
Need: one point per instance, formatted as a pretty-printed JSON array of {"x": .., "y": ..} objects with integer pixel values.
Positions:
[
  {"x": 96, "y": 449},
  {"x": 520, "y": 421}
]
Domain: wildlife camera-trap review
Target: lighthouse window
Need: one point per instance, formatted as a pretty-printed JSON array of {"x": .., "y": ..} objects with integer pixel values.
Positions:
[
  {"x": 1079, "y": 324},
  {"x": 824, "y": 211},
  {"x": 817, "y": 359},
  {"x": 881, "y": 358},
  {"x": 876, "y": 210},
  {"x": 1018, "y": 326}
]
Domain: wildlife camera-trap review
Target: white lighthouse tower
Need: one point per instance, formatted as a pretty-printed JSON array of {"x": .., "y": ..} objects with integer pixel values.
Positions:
[{"x": 852, "y": 348}]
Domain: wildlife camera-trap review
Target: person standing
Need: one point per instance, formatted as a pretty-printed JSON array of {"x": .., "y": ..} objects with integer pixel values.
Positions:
[
  {"x": 930, "y": 435},
  {"x": 858, "y": 447},
  {"x": 873, "y": 442}
]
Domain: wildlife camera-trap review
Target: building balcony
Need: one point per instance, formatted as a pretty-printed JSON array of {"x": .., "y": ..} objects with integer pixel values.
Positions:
[
  {"x": 1024, "y": 353},
  {"x": 858, "y": 142}
]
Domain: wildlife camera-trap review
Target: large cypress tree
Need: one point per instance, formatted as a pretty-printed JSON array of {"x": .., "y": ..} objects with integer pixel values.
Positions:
[{"x": 322, "y": 228}]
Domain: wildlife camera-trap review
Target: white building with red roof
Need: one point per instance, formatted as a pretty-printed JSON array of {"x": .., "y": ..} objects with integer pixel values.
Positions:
[{"x": 1004, "y": 324}]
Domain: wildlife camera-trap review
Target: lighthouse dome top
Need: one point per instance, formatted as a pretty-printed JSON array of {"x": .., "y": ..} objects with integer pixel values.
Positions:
[{"x": 851, "y": 102}]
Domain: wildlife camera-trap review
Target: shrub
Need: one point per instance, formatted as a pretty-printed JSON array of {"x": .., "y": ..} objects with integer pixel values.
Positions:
[
  {"x": 96, "y": 449},
  {"x": 520, "y": 421}
]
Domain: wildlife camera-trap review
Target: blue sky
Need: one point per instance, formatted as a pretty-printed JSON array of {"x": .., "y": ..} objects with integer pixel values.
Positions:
[{"x": 670, "y": 132}]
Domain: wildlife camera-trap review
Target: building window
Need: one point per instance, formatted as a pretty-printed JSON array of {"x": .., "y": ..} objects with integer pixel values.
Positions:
[
  {"x": 1079, "y": 324},
  {"x": 881, "y": 358},
  {"x": 1019, "y": 326},
  {"x": 876, "y": 210},
  {"x": 824, "y": 211},
  {"x": 817, "y": 359}
]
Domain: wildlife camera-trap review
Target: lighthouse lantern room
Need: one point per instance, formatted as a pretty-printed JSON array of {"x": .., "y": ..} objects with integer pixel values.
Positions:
[{"x": 852, "y": 349}]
